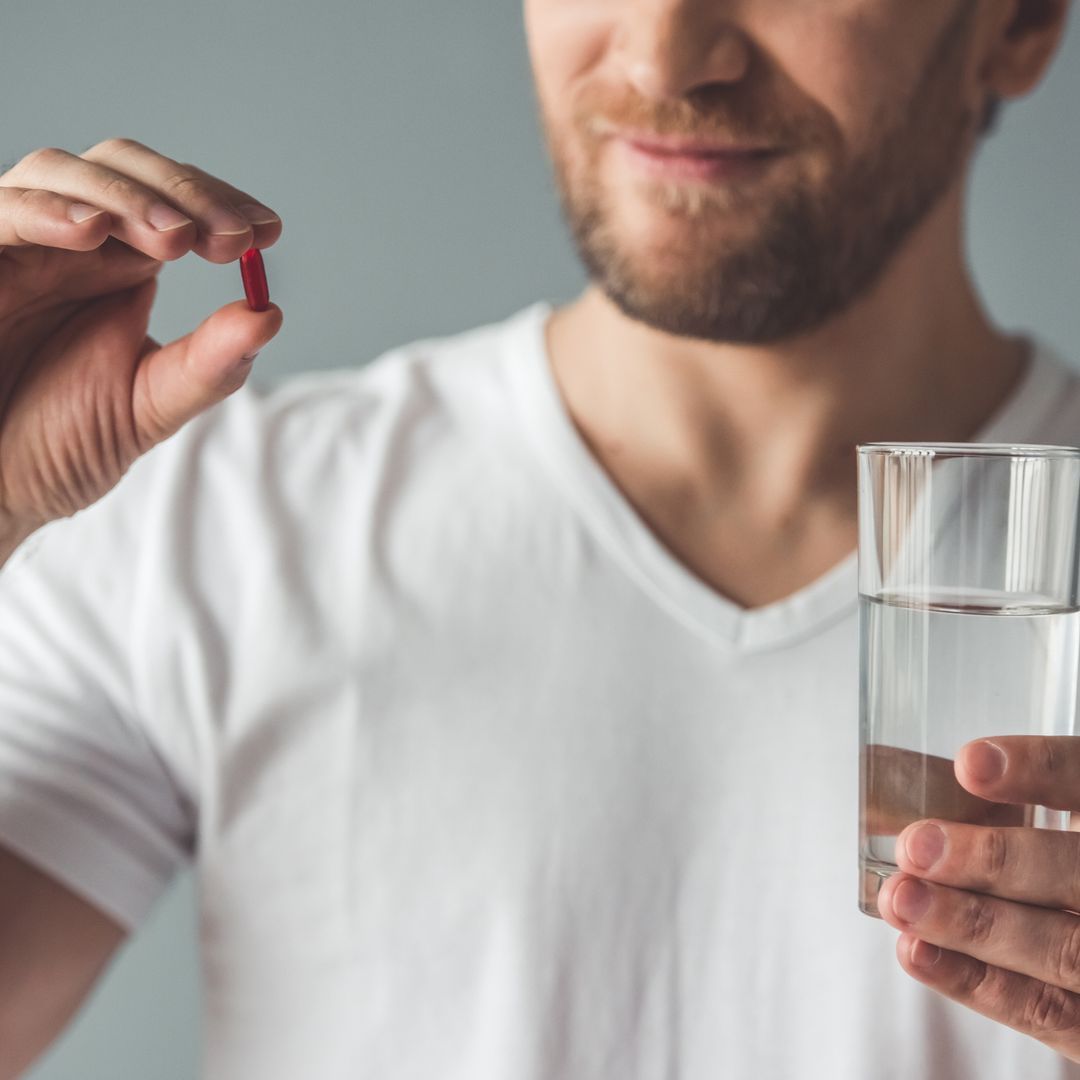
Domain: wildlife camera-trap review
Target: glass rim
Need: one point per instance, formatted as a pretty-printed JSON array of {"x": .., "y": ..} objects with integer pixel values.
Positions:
[{"x": 1003, "y": 450}]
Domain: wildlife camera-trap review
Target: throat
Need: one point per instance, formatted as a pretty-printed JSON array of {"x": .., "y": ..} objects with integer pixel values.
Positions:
[{"x": 749, "y": 562}]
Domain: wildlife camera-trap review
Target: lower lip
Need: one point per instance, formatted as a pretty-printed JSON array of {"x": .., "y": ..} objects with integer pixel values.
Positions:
[{"x": 707, "y": 168}]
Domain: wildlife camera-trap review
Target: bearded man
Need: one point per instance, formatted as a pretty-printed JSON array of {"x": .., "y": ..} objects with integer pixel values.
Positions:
[{"x": 503, "y": 694}]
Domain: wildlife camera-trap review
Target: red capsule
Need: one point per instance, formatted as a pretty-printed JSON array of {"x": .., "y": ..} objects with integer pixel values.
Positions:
[{"x": 253, "y": 271}]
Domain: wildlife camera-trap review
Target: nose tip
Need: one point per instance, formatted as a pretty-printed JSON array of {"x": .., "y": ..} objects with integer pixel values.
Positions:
[
  {"x": 648, "y": 80},
  {"x": 674, "y": 56}
]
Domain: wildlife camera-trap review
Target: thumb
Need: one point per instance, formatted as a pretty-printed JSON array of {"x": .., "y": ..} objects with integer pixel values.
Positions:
[{"x": 175, "y": 382}]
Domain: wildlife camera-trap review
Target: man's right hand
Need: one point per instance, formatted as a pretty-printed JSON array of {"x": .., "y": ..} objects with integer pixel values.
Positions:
[{"x": 83, "y": 390}]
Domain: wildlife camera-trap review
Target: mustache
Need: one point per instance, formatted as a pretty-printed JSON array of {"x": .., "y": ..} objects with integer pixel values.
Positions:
[{"x": 713, "y": 113}]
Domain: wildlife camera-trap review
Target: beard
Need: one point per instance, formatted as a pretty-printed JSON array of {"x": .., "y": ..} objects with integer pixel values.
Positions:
[{"x": 761, "y": 262}]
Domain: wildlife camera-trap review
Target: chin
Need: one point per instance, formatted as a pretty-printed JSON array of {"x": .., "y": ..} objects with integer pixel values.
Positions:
[{"x": 670, "y": 248}]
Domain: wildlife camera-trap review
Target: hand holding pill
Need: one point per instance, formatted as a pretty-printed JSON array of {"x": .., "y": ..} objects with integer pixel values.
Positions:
[{"x": 82, "y": 241}]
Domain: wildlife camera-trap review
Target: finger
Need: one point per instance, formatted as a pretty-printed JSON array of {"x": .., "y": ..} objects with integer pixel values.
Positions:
[
  {"x": 176, "y": 382},
  {"x": 33, "y": 216},
  {"x": 1028, "y": 940},
  {"x": 1041, "y": 770},
  {"x": 1032, "y": 866},
  {"x": 201, "y": 196},
  {"x": 141, "y": 218},
  {"x": 266, "y": 222},
  {"x": 1039, "y": 1009},
  {"x": 903, "y": 786}
]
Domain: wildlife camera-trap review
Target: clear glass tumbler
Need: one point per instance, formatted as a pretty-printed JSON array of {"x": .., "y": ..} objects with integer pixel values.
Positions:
[{"x": 969, "y": 626}]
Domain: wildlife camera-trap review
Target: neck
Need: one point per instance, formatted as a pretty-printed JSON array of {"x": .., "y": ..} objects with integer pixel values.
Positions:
[{"x": 774, "y": 426}]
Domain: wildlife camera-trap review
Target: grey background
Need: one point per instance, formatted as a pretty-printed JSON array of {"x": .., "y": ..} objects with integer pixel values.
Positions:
[{"x": 397, "y": 140}]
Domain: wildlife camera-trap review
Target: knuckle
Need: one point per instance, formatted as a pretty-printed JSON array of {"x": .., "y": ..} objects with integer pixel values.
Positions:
[
  {"x": 32, "y": 201},
  {"x": 152, "y": 426},
  {"x": 186, "y": 185},
  {"x": 212, "y": 182},
  {"x": 1047, "y": 758},
  {"x": 993, "y": 855},
  {"x": 112, "y": 147},
  {"x": 981, "y": 982},
  {"x": 1065, "y": 957},
  {"x": 42, "y": 158},
  {"x": 977, "y": 919},
  {"x": 1071, "y": 875},
  {"x": 1049, "y": 1009},
  {"x": 119, "y": 187}
]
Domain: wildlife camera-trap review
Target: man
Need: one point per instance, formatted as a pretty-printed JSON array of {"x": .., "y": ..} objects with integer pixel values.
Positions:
[{"x": 503, "y": 693}]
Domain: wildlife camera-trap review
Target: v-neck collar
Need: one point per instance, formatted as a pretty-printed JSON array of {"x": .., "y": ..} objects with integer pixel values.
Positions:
[{"x": 615, "y": 523}]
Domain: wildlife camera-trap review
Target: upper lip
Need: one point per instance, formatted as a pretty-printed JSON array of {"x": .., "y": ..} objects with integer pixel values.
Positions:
[{"x": 682, "y": 144}]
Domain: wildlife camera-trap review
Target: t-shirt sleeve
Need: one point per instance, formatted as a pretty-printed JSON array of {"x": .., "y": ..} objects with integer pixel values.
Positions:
[{"x": 87, "y": 792}]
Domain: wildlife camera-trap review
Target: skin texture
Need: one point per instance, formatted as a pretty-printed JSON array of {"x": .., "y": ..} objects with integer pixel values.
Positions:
[{"x": 730, "y": 425}]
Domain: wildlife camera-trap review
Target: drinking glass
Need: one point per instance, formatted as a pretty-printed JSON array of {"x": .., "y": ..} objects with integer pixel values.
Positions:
[{"x": 969, "y": 626}]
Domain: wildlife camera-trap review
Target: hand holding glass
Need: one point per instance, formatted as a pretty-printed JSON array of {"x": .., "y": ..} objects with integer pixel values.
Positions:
[{"x": 969, "y": 624}]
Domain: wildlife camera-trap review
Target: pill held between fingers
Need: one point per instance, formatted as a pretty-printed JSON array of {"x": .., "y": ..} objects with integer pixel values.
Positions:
[{"x": 253, "y": 271}]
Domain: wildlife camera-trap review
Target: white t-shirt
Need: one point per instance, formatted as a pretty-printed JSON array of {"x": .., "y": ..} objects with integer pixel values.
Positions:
[{"x": 480, "y": 783}]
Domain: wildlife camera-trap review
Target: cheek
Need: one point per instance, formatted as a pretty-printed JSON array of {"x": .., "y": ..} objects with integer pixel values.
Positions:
[
  {"x": 856, "y": 59},
  {"x": 568, "y": 40}
]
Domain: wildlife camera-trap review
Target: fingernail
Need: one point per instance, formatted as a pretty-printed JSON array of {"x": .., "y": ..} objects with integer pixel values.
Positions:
[
  {"x": 925, "y": 845},
  {"x": 258, "y": 215},
  {"x": 226, "y": 223},
  {"x": 923, "y": 954},
  {"x": 985, "y": 761},
  {"x": 80, "y": 212},
  {"x": 910, "y": 900},
  {"x": 165, "y": 218}
]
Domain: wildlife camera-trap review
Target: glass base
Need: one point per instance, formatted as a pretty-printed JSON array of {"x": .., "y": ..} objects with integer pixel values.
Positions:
[{"x": 872, "y": 875}]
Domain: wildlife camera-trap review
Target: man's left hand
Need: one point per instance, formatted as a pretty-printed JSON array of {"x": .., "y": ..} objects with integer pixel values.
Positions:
[{"x": 988, "y": 914}]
